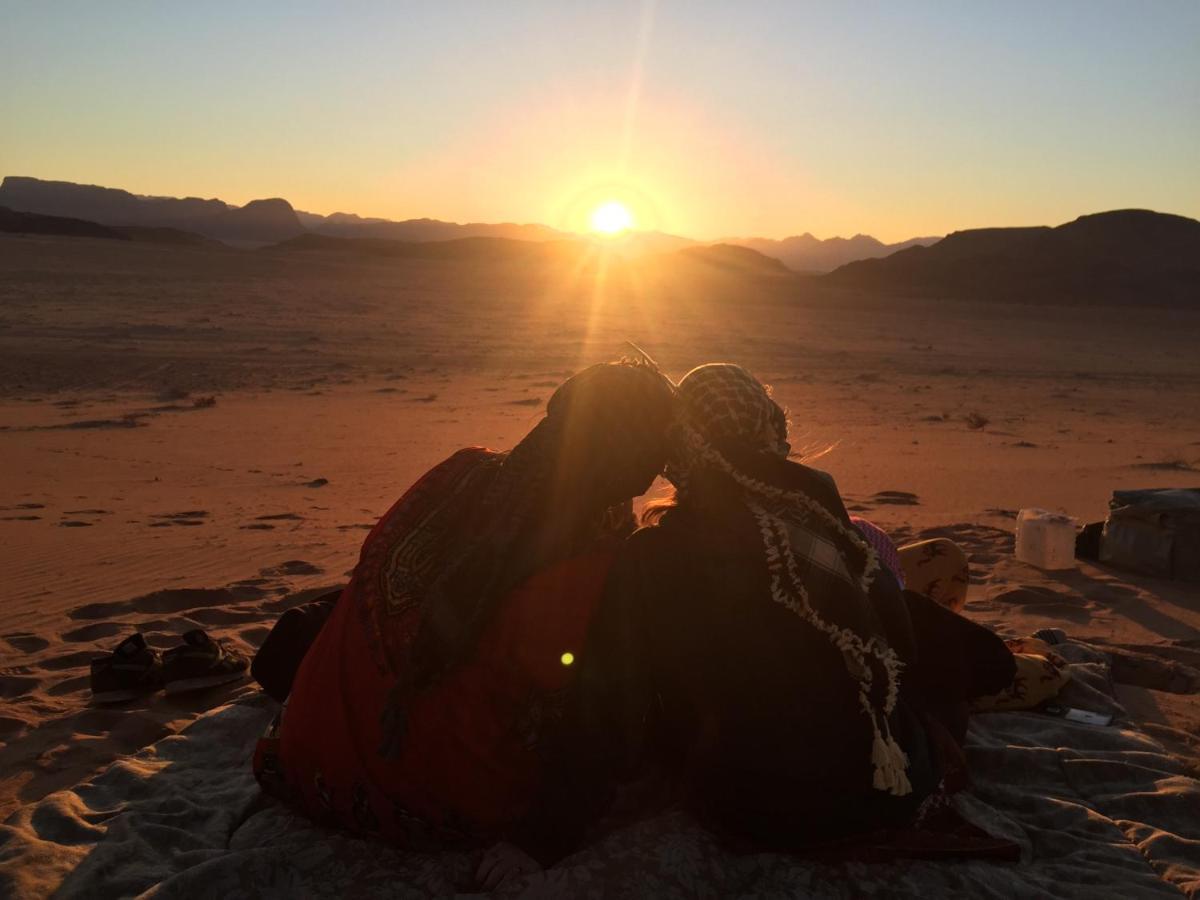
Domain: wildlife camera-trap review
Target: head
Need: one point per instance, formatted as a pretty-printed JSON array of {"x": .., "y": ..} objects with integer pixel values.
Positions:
[
  {"x": 727, "y": 406},
  {"x": 602, "y": 442},
  {"x": 722, "y": 409},
  {"x": 604, "y": 437}
]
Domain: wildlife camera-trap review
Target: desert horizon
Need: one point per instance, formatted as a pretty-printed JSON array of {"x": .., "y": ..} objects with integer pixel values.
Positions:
[{"x": 213, "y": 415}]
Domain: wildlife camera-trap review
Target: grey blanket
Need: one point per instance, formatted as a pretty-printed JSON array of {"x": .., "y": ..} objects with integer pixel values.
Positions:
[{"x": 1098, "y": 812}]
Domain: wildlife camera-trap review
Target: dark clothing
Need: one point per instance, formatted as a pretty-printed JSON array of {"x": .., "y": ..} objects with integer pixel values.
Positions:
[
  {"x": 278, "y": 659},
  {"x": 955, "y": 661},
  {"x": 691, "y": 665}
]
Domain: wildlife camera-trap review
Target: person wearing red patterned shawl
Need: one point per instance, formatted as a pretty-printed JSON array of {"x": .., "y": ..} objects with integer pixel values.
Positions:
[
  {"x": 416, "y": 714},
  {"x": 751, "y": 645}
]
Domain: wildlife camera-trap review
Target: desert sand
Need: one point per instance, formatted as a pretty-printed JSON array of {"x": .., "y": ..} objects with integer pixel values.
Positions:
[{"x": 201, "y": 436}]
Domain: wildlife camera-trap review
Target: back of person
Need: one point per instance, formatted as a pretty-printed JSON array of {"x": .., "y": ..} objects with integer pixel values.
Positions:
[
  {"x": 757, "y": 702},
  {"x": 467, "y": 762},
  {"x": 417, "y": 712}
]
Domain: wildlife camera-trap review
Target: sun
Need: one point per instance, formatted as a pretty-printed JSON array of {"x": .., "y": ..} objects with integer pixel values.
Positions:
[{"x": 611, "y": 217}]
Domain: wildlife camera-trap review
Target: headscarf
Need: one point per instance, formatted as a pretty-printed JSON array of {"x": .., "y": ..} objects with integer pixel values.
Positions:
[
  {"x": 727, "y": 425},
  {"x": 601, "y": 443}
]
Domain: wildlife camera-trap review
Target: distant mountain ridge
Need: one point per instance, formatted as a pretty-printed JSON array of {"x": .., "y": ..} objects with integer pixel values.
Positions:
[
  {"x": 806, "y": 253},
  {"x": 259, "y": 221},
  {"x": 465, "y": 248},
  {"x": 275, "y": 220},
  {"x": 18, "y": 222},
  {"x": 420, "y": 230},
  {"x": 736, "y": 256},
  {"x": 1123, "y": 256}
]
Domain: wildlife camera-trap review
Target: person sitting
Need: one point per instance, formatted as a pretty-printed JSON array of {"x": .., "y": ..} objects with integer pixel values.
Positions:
[
  {"x": 751, "y": 644},
  {"x": 416, "y": 714}
]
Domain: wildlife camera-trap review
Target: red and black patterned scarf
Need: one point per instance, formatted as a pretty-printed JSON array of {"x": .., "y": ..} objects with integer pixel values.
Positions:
[{"x": 482, "y": 522}]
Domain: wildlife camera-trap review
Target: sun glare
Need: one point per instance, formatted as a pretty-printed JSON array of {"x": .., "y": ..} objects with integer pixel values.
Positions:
[{"x": 611, "y": 218}]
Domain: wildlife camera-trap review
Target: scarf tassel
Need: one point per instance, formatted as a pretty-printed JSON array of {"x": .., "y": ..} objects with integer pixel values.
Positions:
[{"x": 890, "y": 763}]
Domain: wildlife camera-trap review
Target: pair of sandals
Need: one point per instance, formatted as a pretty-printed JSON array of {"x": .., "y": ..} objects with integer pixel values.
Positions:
[{"x": 134, "y": 669}]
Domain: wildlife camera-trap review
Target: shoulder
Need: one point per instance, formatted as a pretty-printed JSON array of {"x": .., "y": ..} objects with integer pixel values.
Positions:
[
  {"x": 812, "y": 479},
  {"x": 646, "y": 541},
  {"x": 650, "y": 548},
  {"x": 820, "y": 486},
  {"x": 458, "y": 465},
  {"x": 471, "y": 456}
]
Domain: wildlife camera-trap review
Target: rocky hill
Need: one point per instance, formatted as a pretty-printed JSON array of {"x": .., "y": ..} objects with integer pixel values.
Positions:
[
  {"x": 1124, "y": 256},
  {"x": 806, "y": 253},
  {"x": 260, "y": 221}
]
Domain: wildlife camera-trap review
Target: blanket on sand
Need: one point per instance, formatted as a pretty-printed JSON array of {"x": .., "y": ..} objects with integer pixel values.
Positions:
[{"x": 1097, "y": 812}]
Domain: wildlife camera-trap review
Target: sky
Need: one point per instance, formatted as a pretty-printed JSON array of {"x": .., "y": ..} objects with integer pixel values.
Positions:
[{"x": 711, "y": 120}]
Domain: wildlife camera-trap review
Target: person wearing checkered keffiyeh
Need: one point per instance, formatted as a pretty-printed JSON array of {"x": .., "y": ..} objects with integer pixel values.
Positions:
[{"x": 809, "y": 548}]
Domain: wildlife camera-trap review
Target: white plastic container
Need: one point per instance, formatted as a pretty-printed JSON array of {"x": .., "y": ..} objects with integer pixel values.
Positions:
[{"x": 1045, "y": 539}]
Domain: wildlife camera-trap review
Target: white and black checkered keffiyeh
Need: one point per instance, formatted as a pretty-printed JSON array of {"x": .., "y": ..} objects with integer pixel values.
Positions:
[{"x": 809, "y": 550}]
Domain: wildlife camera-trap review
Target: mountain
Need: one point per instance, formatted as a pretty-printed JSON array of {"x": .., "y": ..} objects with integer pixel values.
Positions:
[
  {"x": 14, "y": 222},
  {"x": 732, "y": 256},
  {"x": 805, "y": 253},
  {"x": 1123, "y": 256},
  {"x": 417, "y": 230},
  {"x": 174, "y": 237},
  {"x": 259, "y": 221},
  {"x": 469, "y": 248}
]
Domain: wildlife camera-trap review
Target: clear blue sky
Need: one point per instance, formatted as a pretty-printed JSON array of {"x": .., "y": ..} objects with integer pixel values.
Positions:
[{"x": 708, "y": 119}]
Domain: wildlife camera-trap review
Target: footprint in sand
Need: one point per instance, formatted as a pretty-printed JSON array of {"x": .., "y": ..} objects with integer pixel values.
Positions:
[
  {"x": 1043, "y": 601},
  {"x": 72, "y": 660},
  {"x": 291, "y": 567},
  {"x": 168, "y": 601},
  {"x": 247, "y": 590},
  {"x": 10, "y": 727},
  {"x": 280, "y": 517},
  {"x": 71, "y": 685},
  {"x": 255, "y": 634},
  {"x": 13, "y": 686},
  {"x": 20, "y": 518},
  {"x": 257, "y": 526},
  {"x": 75, "y": 523},
  {"x": 189, "y": 517},
  {"x": 210, "y": 616},
  {"x": 896, "y": 498},
  {"x": 26, "y": 642},
  {"x": 97, "y": 632}
]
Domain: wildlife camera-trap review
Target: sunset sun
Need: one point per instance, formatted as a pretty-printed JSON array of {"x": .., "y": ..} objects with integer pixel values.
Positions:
[{"x": 611, "y": 217}]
